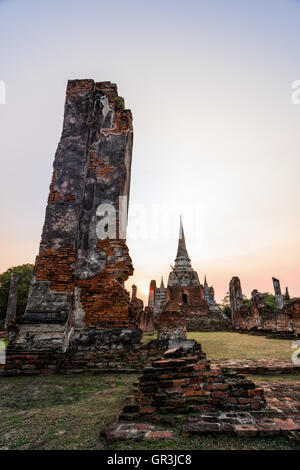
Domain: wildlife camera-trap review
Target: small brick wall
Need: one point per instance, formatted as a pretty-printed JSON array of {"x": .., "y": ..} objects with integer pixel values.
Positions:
[
  {"x": 84, "y": 360},
  {"x": 171, "y": 323}
]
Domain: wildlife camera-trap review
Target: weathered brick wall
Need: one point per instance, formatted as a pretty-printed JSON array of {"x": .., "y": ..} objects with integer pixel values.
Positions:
[
  {"x": 171, "y": 323},
  {"x": 194, "y": 296},
  {"x": 200, "y": 316},
  {"x": 292, "y": 313},
  {"x": 146, "y": 320},
  {"x": 87, "y": 357},
  {"x": 206, "y": 322}
]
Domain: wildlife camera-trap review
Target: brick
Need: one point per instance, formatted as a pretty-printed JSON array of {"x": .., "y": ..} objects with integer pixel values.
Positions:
[
  {"x": 286, "y": 425},
  {"x": 160, "y": 435},
  {"x": 246, "y": 430}
]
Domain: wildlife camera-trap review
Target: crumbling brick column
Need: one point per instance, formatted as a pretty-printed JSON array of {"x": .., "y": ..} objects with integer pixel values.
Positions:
[
  {"x": 146, "y": 322},
  {"x": 137, "y": 304},
  {"x": 238, "y": 309},
  {"x": 287, "y": 294},
  {"x": 278, "y": 294},
  {"x": 151, "y": 298},
  {"x": 78, "y": 283},
  {"x": 11, "y": 312}
]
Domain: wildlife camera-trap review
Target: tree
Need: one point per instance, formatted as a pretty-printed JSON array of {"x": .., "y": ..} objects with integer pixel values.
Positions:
[
  {"x": 270, "y": 300},
  {"x": 225, "y": 305},
  {"x": 25, "y": 273},
  {"x": 247, "y": 302}
]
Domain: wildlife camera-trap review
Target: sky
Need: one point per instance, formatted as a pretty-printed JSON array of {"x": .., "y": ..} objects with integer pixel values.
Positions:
[{"x": 216, "y": 133}]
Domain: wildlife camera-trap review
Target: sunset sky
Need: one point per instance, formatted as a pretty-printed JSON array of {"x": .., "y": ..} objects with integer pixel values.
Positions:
[{"x": 217, "y": 137}]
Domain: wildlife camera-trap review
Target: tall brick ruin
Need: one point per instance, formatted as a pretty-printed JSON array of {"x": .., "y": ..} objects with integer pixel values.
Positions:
[
  {"x": 77, "y": 292},
  {"x": 239, "y": 311}
]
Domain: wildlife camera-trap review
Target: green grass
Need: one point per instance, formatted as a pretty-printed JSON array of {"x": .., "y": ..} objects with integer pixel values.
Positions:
[
  {"x": 69, "y": 411},
  {"x": 229, "y": 345},
  {"x": 149, "y": 336},
  {"x": 59, "y": 412},
  {"x": 210, "y": 443},
  {"x": 275, "y": 378}
]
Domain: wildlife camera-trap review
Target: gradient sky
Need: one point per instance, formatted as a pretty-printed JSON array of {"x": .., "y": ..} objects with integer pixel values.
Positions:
[{"x": 216, "y": 133}]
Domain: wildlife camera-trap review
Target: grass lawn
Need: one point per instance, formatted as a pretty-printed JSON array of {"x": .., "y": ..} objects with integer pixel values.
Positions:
[
  {"x": 211, "y": 443},
  {"x": 68, "y": 412},
  {"x": 228, "y": 345},
  {"x": 59, "y": 412},
  {"x": 275, "y": 378}
]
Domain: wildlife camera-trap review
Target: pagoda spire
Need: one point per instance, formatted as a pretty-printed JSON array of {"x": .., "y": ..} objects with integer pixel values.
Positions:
[
  {"x": 162, "y": 286},
  {"x": 205, "y": 281},
  {"x": 182, "y": 258}
]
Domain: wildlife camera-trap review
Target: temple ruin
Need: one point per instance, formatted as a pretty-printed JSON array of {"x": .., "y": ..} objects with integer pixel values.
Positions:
[
  {"x": 283, "y": 320},
  {"x": 79, "y": 315},
  {"x": 195, "y": 300}
]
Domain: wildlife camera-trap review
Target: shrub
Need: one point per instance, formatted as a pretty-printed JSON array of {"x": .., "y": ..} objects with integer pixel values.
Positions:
[{"x": 119, "y": 103}]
